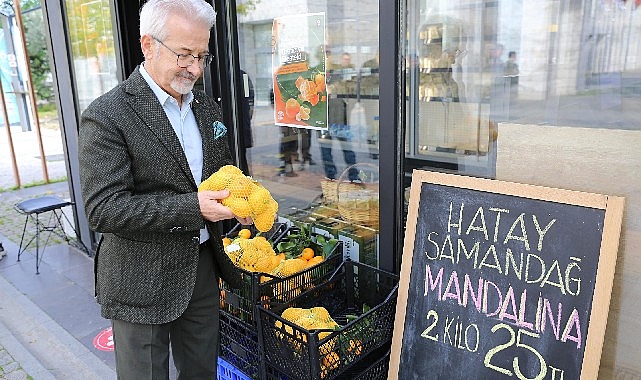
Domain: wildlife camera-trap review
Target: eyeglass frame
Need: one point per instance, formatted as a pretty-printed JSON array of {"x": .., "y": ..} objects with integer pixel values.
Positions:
[{"x": 203, "y": 61}]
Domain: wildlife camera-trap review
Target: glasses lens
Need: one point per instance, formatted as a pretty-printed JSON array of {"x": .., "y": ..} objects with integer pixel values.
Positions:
[
  {"x": 185, "y": 60},
  {"x": 206, "y": 60}
]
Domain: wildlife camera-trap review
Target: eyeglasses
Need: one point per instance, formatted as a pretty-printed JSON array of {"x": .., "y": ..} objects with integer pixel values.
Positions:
[{"x": 185, "y": 60}]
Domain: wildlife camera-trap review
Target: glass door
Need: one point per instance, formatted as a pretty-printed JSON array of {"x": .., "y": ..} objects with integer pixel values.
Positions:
[
  {"x": 310, "y": 79},
  {"x": 92, "y": 48},
  {"x": 539, "y": 92},
  {"x": 457, "y": 88}
]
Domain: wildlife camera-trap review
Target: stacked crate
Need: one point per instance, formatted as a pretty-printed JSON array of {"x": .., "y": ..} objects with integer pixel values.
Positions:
[
  {"x": 361, "y": 299},
  {"x": 239, "y": 344},
  {"x": 227, "y": 371}
]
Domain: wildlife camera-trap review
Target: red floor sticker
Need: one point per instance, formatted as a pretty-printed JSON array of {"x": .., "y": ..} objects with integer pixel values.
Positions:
[{"x": 104, "y": 341}]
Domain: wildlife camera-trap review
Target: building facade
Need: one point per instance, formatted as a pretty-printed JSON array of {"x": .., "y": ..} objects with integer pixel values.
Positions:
[{"x": 541, "y": 92}]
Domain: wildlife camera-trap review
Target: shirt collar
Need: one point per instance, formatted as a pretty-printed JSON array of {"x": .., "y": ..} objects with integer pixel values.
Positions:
[{"x": 161, "y": 94}]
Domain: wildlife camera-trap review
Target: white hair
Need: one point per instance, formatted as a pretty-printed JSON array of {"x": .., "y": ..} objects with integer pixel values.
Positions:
[{"x": 154, "y": 15}]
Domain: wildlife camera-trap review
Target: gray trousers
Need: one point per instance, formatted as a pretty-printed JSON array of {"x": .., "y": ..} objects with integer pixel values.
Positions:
[{"x": 142, "y": 351}]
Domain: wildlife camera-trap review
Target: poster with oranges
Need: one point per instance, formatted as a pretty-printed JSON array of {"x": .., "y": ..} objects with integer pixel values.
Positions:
[{"x": 298, "y": 63}]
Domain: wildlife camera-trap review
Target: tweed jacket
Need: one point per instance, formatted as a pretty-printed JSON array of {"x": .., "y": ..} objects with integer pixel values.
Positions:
[{"x": 139, "y": 193}]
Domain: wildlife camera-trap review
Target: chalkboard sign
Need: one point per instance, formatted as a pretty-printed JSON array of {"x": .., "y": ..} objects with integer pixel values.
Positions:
[{"x": 503, "y": 280}]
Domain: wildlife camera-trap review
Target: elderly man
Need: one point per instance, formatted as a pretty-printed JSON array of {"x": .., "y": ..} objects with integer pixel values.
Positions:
[{"x": 144, "y": 148}]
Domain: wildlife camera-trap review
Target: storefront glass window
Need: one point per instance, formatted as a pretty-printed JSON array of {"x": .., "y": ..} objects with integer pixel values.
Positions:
[
  {"x": 312, "y": 171},
  {"x": 545, "y": 93},
  {"x": 92, "y": 48}
]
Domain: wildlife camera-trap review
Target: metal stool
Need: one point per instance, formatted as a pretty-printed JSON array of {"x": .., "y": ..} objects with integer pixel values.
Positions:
[{"x": 32, "y": 208}]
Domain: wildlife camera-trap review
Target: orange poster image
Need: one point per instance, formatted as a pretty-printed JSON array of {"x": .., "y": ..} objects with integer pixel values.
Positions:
[{"x": 298, "y": 62}]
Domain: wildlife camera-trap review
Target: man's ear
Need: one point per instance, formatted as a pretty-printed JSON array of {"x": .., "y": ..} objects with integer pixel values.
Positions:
[{"x": 147, "y": 46}]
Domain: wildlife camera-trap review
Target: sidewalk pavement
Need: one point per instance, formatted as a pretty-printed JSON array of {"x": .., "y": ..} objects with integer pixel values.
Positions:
[
  {"x": 32, "y": 345},
  {"x": 48, "y": 322},
  {"x": 28, "y": 160}
]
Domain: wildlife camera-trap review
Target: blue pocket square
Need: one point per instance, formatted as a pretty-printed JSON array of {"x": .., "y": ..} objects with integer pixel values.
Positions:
[{"x": 219, "y": 129}]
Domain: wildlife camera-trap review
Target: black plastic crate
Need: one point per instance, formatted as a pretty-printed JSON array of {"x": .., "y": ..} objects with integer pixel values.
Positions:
[
  {"x": 261, "y": 286},
  {"x": 362, "y": 294},
  {"x": 377, "y": 366},
  {"x": 239, "y": 347}
]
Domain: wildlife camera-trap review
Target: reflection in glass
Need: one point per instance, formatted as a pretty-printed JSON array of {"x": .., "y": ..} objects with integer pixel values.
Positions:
[
  {"x": 540, "y": 92},
  {"x": 470, "y": 68},
  {"x": 92, "y": 48},
  {"x": 302, "y": 167}
]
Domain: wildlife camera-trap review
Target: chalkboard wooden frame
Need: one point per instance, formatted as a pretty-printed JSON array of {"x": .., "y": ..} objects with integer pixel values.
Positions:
[{"x": 613, "y": 214}]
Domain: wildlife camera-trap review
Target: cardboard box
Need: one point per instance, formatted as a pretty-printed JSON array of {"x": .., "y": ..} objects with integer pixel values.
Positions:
[
  {"x": 360, "y": 244},
  {"x": 296, "y": 217},
  {"x": 329, "y": 227},
  {"x": 326, "y": 211}
]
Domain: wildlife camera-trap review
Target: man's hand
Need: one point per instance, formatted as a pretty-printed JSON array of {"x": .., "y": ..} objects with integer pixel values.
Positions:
[
  {"x": 244, "y": 221},
  {"x": 210, "y": 205},
  {"x": 213, "y": 210}
]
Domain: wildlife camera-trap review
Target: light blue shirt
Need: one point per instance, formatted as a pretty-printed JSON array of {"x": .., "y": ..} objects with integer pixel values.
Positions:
[{"x": 184, "y": 124}]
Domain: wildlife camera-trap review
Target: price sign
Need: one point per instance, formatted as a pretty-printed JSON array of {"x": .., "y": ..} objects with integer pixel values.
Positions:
[{"x": 503, "y": 281}]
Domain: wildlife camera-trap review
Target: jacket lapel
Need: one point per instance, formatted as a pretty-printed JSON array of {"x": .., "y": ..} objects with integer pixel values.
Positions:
[
  {"x": 205, "y": 121},
  {"x": 145, "y": 103}
]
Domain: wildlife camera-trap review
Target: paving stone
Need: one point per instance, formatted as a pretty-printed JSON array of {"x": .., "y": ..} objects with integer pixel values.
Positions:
[
  {"x": 10, "y": 367},
  {"x": 5, "y": 358},
  {"x": 19, "y": 374}
]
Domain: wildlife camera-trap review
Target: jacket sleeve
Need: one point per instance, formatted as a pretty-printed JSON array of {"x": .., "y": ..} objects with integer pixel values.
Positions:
[{"x": 127, "y": 183}]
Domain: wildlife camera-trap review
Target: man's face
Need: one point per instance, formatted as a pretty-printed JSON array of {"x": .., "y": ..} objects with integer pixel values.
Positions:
[
  {"x": 183, "y": 37},
  {"x": 347, "y": 60}
]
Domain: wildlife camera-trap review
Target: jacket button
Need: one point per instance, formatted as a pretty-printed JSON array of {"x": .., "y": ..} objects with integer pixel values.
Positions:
[{"x": 196, "y": 239}]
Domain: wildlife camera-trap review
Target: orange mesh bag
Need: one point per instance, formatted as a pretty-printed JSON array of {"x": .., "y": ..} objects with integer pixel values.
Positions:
[
  {"x": 247, "y": 198},
  {"x": 252, "y": 254}
]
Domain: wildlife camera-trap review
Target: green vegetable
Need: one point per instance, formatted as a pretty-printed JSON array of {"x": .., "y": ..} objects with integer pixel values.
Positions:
[
  {"x": 327, "y": 245},
  {"x": 295, "y": 242}
]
